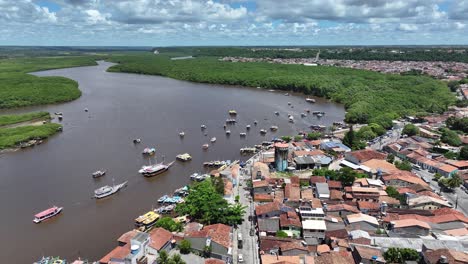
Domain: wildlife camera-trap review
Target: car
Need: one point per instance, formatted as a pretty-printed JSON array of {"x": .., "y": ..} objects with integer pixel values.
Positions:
[{"x": 240, "y": 258}]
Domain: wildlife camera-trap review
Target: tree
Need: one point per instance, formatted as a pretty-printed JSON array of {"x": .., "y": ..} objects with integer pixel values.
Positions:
[
  {"x": 298, "y": 138},
  {"x": 185, "y": 246},
  {"x": 163, "y": 257},
  {"x": 410, "y": 130},
  {"x": 314, "y": 135},
  {"x": 454, "y": 181},
  {"x": 450, "y": 137},
  {"x": 366, "y": 133},
  {"x": 453, "y": 85},
  {"x": 352, "y": 140},
  {"x": 281, "y": 233},
  {"x": 400, "y": 255},
  {"x": 392, "y": 192},
  {"x": 286, "y": 138},
  {"x": 377, "y": 129},
  {"x": 390, "y": 158},
  {"x": 176, "y": 259},
  {"x": 218, "y": 183},
  {"x": 463, "y": 153},
  {"x": 207, "y": 206},
  {"x": 347, "y": 176},
  {"x": 404, "y": 165},
  {"x": 169, "y": 224},
  {"x": 437, "y": 176}
]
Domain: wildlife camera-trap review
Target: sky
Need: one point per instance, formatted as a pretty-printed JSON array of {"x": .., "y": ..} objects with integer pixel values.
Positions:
[{"x": 232, "y": 22}]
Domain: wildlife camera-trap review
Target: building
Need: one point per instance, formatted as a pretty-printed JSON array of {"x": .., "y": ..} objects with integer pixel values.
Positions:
[
  {"x": 410, "y": 227},
  {"x": 281, "y": 156},
  {"x": 160, "y": 239},
  {"x": 261, "y": 187},
  {"x": 217, "y": 237},
  {"x": 362, "y": 222},
  {"x": 268, "y": 226},
  {"x": 367, "y": 255},
  {"x": 447, "y": 256},
  {"x": 306, "y": 211},
  {"x": 268, "y": 210},
  {"x": 314, "y": 231},
  {"x": 425, "y": 202},
  {"x": 322, "y": 191},
  {"x": 359, "y": 156}
]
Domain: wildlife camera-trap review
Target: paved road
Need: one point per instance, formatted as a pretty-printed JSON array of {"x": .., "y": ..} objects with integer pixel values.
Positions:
[
  {"x": 461, "y": 205},
  {"x": 386, "y": 139},
  {"x": 249, "y": 248}
]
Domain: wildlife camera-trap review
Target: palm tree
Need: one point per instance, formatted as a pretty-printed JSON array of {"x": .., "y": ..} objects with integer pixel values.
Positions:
[{"x": 163, "y": 257}]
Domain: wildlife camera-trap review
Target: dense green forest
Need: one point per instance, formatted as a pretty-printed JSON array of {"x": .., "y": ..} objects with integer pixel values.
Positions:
[
  {"x": 18, "y": 89},
  {"x": 351, "y": 53},
  {"x": 369, "y": 97}
]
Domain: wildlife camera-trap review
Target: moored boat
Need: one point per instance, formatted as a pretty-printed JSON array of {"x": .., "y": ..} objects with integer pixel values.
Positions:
[
  {"x": 203, "y": 127},
  {"x": 99, "y": 173},
  {"x": 149, "y": 151},
  {"x": 242, "y": 134},
  {"x": 255, "y": 122},
  {"x": 46, "y": 214},
  {"x": 228, "y": 132},
  {"x": 194, "y": 176},
  {"x": 205, "y": 146},
  {"x": 136, "y": 141},
  {"x": 247, "y": 127},
  {"x": 276, "y": 113},
  {"x": 310, "y": 100},
  {"x": 147, "y": 220},
  {"x": 232, "y": 112},
  {"x": 263, "y": 131},
  {"x": 162, "y": 198},
  {"x": 184, "y": 157},
  {"x": 303, "y": 115},
  {"x": 213, "y": 140},
  {"x": 291, "y": 119},
  {"x": 182, "y": 134},
  {"x": 153, "y": 170},
  {"x": 274, "y": 128},
  {"x": 107, "y": 190}
]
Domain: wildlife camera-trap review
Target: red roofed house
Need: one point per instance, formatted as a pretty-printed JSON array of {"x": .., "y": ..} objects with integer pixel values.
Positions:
[
  {"x": 290, "y": 223},
  {"x": 160, "y": 239},
  {"x": 402, "y": 179},
  {"x": 341, "y": 210},
  {"x": 217, "y": 236},
  {"x": 370, "y": 208},
  {"x": 410, "y": 227},
  {"x": 261, "y": 187},
  {"x": 268, "y": 210},
  {"x": 359, "y": 156}
]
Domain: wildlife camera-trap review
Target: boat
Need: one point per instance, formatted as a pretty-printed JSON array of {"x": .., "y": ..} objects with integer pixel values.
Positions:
[
  {"x": 86, "y": 109},
  {"x": 228, "y": 132},
  {"x": 248, "y": 150},
  {"x": 286, "y": 94},
  {"x": 276, "y": 113},
  {"x": 274, "y": 128},
  {"x": 153, "y": 170},
  {"x": 182, "y": 134},
  {"x": 52, "y": 260},
  {"x": 203, "y": 127},
  {"x": 136, "y": 141},
  {"x": 319, "y": 115},
  {"x": 58, "y": 113},
  {"x": 213, "y": 140},
  {"x": 202, "y": 177},
  {"x": 107, "y": 190},
  {"x": 289, "y": 103},
  {"x": 263, "y": 131},
  {"x": 149, "y": 151},
  {"x": 194, "y": 176},
  {"x": 162, "y": 199},
  {"x": 99, "y": 173},
  {"x": 184, "y": 157},
  {"x": 183, "y": 191},
  {"x": 318, "y": 112},
  {"x": 247, "y": 127},
  {"x": 242, "y": 134},
  {"x": 291, "y": 119},
  {"x": 232, "y": 112},
  {"x": 205, "y": 146},
  {"x": 231, "y": 121},
  {"x": 147, "y": 220},
  {"x": 60, "y": 117},
  {"x": 255, "y": 122},
  {"x": 307, "y": 110},
  {"x": 310, "y": 100},
  {"x": 166, "y": 209},
  {"x": 46, "y": 214},
  {"x": 303, "y": 115}
]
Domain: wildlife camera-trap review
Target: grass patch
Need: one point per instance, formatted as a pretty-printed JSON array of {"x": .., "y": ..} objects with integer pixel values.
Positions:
[
  {"x": 11, "y": 137},
  {"x": 14, "y": 119}
]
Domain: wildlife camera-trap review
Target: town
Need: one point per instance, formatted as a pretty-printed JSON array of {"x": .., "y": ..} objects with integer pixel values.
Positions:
[{"x": 318, "y": 201}]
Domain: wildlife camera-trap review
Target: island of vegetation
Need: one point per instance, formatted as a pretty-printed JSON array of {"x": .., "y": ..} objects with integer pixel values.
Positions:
[{"x": 369, "y": 97}]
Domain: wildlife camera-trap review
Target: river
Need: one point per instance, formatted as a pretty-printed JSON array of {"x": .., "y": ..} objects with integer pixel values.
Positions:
[{"x": 122, "y": 107}]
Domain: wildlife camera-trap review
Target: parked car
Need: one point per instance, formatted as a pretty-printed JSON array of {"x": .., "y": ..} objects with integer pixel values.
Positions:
[{"x": 240, "y": 258}]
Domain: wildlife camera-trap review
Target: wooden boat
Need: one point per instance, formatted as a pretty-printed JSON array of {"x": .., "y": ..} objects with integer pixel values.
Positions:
[{"x": 46, "y": 214}]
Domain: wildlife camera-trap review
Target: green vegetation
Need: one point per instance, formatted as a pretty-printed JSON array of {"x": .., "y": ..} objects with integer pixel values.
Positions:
[
  {"x": 164, "y": 258},
  {"x": 450, "y": 137},
  {"x": 392, "y": 192},
  {"x": 390, "y": 158},
  {"x": 286, "y": 138},
  {"x": 352, "y": 140},
  {"x": 410, "y": 130},
  {"x": 15, "y": 119},
  {"x": 314, "y": 135},
  {"x": 169, "y": 224},
  {"x": 11, "y": 137},
  {"x": 206, "y": 205},
  {"x": 345, "y": 175},
  {"x": 403, "y": 165},
  {"x": 401, "y": 255},
  {"x": 369, "y": 97},
  {"x": 281, "y": 233},
  {"x": 451, "y": 182},
  {"x": 298, "y": 138},
  {"x": 185, "y": 246},
  {"x": 455, "y": 123},
  {"x": 463, "y": 153}
]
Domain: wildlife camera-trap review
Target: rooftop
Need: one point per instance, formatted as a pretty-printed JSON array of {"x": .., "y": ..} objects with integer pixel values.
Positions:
[
  {"x": 409, "y": 223},
  {"x": 159, "y": 237},
  {"x": 218, "y": 233},
  {"x": 314, "y": 224},
  {"x": 354, "y": 218}
]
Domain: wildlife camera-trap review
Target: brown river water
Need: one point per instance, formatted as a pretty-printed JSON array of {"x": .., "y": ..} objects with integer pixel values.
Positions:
[{"x": 122, "y": 107}]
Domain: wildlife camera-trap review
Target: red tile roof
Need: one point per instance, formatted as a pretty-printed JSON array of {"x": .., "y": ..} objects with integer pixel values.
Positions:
[
  {"x": 267, "y": 208},
  {"x": 257, "y": 184},
  {"x": 117, "y": 253},
  {"x": 367, "y": 154},
  {"x": 342, "y": 207},
  {"x": 334, "y": 184},
  {"x": 405, "y": 176},
  {"x": 263, "y": 197},
  {"x": 363, "y": 205},
  {"x": 292, "y": 192},
  {"x": 218, "y": 233},
  {"x": 336, "y": 195},
  {"x": 214, "y": 261},
  {"x": 316, "y": 179},
  {"x": 402, "y": 190},
  {"x": 368, "y": 253},
  {"x": 159, "y": 237},
  {"x": 339, "y": 233},
  {"x": 453, "y": 257},
  {"x": 409, "y": 223},
  {"x": 335, "y": 258},
  {"x": 286, "y": 221},
  {"x": 125, "y": 238}
]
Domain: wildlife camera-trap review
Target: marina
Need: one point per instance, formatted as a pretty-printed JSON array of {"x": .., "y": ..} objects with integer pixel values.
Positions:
[{"x": 114, "y": 121}]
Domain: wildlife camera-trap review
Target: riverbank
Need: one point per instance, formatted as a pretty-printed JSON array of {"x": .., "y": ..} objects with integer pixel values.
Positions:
[
  {"x": 25, "y": 130},
  {"x": 369, "y": 97}
]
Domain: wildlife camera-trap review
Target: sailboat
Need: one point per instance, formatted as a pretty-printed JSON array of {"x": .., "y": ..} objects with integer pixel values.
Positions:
[{"x": 107, "y": 190}]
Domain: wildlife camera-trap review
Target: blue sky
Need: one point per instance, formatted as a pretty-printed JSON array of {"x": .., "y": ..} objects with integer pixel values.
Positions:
[{"x": 232, "y": 22}]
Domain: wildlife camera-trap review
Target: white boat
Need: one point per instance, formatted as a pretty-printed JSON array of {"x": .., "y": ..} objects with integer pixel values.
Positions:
[
  {"x": 99, "y": 173},
  {"x": 276, "y": 113},
  {"x": 203, "y": 127},
  {"x": 86, "y": 109},
  {"x": 247, "y": 127},
  {"x": 255, "y": 122},
  {"x": 184, "y": 157},
  {"x": 242, "y": 134},
  {"x": 274, "y": 128},
  {"x": 136, "y": 141},
  {"x": 263, "y": 131},
  {"x": 291, "y": 119},
  {"x": 228, "y": 132},
  {"x": 149, "y": 151},
  {"x": 310, "y": 100},
  {"x": 153, "y": 170},
  {"x": 46, "y": 214},
  {"x": 182, "y": 134},
  {"x": 205, "y": 146},
  {"x": 303, "y": 115},
  {"x": 289, "y": 103},
  {"x": 194, "y": 176},
  {"x": 107, "y": 190},
  {"x": 213, "y": 140}
]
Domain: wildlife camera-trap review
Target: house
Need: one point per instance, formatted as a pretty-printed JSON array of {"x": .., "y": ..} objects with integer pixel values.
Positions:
[
  {"x": 130, "y": 252},
  {"x": 307, "y": 211},
  {"x": 334, "y": 146},
  {"x": 410, "y": 227},
  {"x": 335, "y": 185},
  {"x": 119, "y": 253},
  {"x": 367, "y": 255},
  {"x": 268, "y": 210},
  {"x": 425, "y": 202},
  {"x": 322, "y": 191},
  {"x": 268, "y": 226},
  {"x": 217, "y": 237},
  {"x": 292, "y": 194},
  {"x": 160, "y": 239},
  {"x": 314, "y": 231},
  {"x": 261, "y": 187},
  {"x": 290, "y": 223},
  {"x": 362, "y": 222},
  {"x": 263, "y": 198},
  {"x": 356, "y": 193},
  {"x": 341, "y": 210},
  {"x": 402, "y": 179},
  {"x": 370, "y": 208},
  {"x": 440, "y": 256},
  {"x": 447, "y": 170},
  {"x": 379, "y": 166},
  {"x": 334, "y": 258},
  {"x": 336, "y": 195},
  {"x": 260, "y": 171},
  {"x": 316, "y": 179},
  {"x": 359, "y": 156}
]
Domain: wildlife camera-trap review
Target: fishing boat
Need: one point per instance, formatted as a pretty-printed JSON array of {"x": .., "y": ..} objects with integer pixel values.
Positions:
[
  {"x": 232, "y": 112},
  {"x": 202, "y": 177},
  {"x": 147, "y": 220},
  {"x": 274, "y": 128},
  {"x": 99, "y": 173},
  {"x": 247, "y": 127},
  {"x": 182, "y": 134},
  {"x": 162, "y": 199},
  {"x": 263, "y": 131},
  {"x": 86, "y": 109},
  {"x": 149, "y": 151},
  {"x": 276, "y": 113},
  {"x": 205, "y": 146},
  {"x": 291, "y": 119},
  {"x": 58, "y": 113},
  {"x": 213, "y": 140},
  {"x": 153, "y": 170},
  {"x": 248, "y": 150},
  {"x": 107, "y": 190},
  {"x": 310, "y": 100},
  {"x": 60, "y": 117},
  {"x": 183, "y": 191},
  {"x": 319, "y": 115},
  {"x": 242, "y": 134},
  {"x": 318, "y": 112},
  {"x": 203, "y": 127},
  {"x": 289, "y": 103},
  {"x": 46, "y": 214},
  {"x": 184, "y": 157},
  {"x": 228, "y": 132},
  {"x": 255, "y": 122},
  {"x": 194, "y": 176},
  {"x": 231, "y": 121},
  {"x": 303, "y": 115},
  {"x": 136, "y": 141}
]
